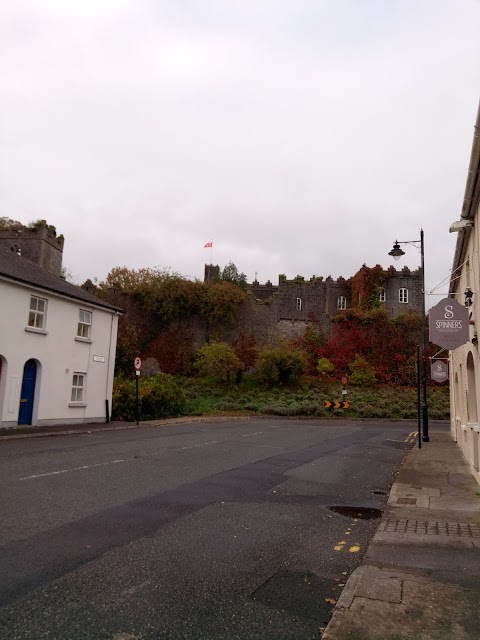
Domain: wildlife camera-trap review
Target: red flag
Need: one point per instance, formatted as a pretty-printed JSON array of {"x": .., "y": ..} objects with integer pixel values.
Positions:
[{"x": 209, "y": 245}]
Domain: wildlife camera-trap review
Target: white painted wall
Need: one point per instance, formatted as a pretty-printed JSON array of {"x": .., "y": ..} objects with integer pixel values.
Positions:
[
  {"x": 58, "y": 355},
  {"x": 464, "y": 389}
]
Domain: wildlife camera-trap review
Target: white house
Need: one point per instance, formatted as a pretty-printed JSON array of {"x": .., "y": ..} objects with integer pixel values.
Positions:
[
  {"x": 465, "y": 287},
  {"x": 57, "y": 348}
]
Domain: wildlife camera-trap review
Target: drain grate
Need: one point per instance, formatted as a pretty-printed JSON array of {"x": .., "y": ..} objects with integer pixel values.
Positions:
[{"x": 433, "y": 528}]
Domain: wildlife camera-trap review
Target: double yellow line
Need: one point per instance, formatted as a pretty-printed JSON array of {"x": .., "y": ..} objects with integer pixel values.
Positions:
[{"x": 412, "y": 437}]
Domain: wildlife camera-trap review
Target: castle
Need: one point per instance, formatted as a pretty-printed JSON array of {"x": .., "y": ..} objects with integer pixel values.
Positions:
[
  {"x": 285, "y": 309},
  {"x": 270, "y": 312}
]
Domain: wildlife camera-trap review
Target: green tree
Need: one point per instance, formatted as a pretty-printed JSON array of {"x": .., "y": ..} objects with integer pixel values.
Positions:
[
  {"x": 231, "y": 274},
  {"x": 280, "y": 365},
  {"x": 217, "y": 359}
]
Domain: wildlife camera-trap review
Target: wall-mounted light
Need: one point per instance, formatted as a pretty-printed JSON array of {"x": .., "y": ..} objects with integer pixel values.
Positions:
[
  {"x": 468, "y": 297},
  {"x": 460, "y": 224}
]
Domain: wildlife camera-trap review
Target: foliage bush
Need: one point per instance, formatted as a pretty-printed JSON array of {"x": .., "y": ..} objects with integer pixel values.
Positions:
[
  {"x": 217, "y": 359},
  {"x": 280, "y": 366},
  {"x": 159, "y": 397},
  {"x": 361, "y": 372},
  {"x": 325, "y": 367}
]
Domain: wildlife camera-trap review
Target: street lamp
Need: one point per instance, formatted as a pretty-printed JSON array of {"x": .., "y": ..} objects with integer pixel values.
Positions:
[{"x": 396, "y": 253}]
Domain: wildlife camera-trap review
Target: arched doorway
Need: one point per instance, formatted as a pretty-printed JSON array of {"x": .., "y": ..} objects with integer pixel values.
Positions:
[
  {"x": 471, "y": 390},
  {"x": 27, "y": 395}
]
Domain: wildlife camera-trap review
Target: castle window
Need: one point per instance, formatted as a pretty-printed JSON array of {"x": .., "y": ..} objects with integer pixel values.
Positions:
[
  {"x": 403, "y": 296},
  {"x": 382, "y": 296},
  {"x": 38, "y": 312},
  {"x": 341, "y": 302},
  {"x": 84, "y": 324},
  {"x": 299, "y": 304}
]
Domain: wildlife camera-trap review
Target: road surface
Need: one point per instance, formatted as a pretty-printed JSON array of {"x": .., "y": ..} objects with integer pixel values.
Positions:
[{"x": 210, "y": 530}]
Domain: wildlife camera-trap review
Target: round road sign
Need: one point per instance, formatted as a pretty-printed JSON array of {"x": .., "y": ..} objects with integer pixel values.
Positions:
[
  {"x": 344, "y": 380},
  {"x": 137, "y": 363}
]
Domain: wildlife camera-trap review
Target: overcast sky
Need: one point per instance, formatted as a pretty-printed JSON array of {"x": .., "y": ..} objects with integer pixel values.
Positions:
[{"x": 300, "y": 136}]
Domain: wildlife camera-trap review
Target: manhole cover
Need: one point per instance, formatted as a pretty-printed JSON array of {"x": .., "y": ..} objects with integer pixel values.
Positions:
[
  {"x": 362, "y": 513},
  {"x": 433, "y": 528}
]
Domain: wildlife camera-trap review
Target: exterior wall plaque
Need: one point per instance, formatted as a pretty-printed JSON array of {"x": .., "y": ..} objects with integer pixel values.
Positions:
[
  {"x": 439, "y": 371},
  {"x": 448, "y": 322}
]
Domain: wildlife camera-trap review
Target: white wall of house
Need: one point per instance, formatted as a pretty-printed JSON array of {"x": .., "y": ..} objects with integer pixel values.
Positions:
[
  {"x": 59, "y": 354},
  {"x": 465, "y": 361}
]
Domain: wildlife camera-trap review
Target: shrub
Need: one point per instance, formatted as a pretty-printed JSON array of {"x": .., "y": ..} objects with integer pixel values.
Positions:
[
  {"x": 361, "y": 372},
  {"x": 280, "y": 366},
  {"x": 217, "y": 359},
  {"x": 159, "y": 397},
  {"x": 325, "y": 367}
]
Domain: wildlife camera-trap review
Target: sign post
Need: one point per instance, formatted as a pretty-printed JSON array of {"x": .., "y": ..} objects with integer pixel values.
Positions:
[
  {"x": 137, "y": 363},
  {"x": 419, "y": 404}
]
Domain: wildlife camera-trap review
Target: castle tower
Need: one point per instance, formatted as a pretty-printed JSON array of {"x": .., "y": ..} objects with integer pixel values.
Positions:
[
  {"x": 212, "y": 273},
  {"x": 38, "y": 243}
]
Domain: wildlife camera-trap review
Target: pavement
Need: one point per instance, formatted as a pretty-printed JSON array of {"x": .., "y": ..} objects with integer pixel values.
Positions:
[
  {"x": 420, "y": 577},
  {"x": 27, "y": 431}
]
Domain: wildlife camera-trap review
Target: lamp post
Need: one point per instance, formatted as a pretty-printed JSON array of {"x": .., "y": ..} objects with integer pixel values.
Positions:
[{"x": 396, "y": 253}]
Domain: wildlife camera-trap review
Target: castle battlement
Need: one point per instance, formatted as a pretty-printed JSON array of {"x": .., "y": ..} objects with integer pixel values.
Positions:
[{"x": 37, "y": 242}]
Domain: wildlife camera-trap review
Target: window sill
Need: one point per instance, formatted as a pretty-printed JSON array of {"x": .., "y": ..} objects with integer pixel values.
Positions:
[
  {"x": 80, "y": 339},
  {"x": 77, "y": 404},
  {"x": 36, "y": 330}
]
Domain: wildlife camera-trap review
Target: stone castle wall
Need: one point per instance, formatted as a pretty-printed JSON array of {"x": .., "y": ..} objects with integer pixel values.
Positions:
[
  {"x": 39, "y": 244},
  {"x": 283, "y": 311}
]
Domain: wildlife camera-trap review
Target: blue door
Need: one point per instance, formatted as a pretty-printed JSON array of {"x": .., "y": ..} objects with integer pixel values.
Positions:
[{"x": 28, "y": 392}]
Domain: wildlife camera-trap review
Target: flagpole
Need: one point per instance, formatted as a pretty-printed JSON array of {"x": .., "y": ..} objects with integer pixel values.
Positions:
[{"x": 211, "y": 252}]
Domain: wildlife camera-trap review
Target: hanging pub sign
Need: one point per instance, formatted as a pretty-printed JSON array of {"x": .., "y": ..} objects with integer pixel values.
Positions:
[
  {"x": 448, "y": 322},
  {"x": 439, "y": 371}
]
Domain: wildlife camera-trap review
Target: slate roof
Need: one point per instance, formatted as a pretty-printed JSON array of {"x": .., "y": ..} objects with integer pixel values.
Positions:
[{"x": 18, "y": 268}]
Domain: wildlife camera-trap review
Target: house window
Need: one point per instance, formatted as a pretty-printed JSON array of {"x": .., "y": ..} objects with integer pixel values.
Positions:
[
  {"x": 341, "y": 302},
  {"x": 382, "y": 296},
  {"x": 403, "y": 295},
  {"x": 38, "y": 312},
  {"x": 84, "y": 324},
  {"x": 78, "y": 387},
  {"x": 299, "y": 304}
]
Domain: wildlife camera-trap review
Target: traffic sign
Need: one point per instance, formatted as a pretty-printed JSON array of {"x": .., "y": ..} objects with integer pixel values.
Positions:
[
  {"x": 336, "y": 404},
  {"x": 344, "y": 380},
  {"x": 137, "y": 363}
]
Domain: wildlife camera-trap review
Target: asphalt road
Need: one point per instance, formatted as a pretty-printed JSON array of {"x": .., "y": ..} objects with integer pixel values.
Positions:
[{"x": 196, "y": 531}]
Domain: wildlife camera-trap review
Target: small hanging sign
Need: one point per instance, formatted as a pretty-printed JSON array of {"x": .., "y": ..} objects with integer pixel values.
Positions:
[{"x": 439, "y": 371}]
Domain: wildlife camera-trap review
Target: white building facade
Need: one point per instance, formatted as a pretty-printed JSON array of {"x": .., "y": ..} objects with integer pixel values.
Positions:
[
  {"x": 57, "y": 348},
  {"x": 465, "y": 288}
]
